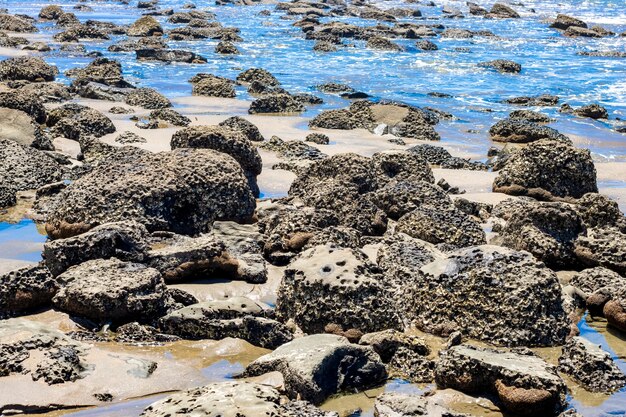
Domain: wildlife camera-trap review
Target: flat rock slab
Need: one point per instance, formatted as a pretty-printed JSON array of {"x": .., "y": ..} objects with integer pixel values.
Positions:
[{"x": 315, "y": 367}]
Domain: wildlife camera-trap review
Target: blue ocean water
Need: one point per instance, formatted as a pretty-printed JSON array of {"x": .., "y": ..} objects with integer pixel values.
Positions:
[
  {"x": 21, "y": 241},
  {"x": 550, "y": 63}
]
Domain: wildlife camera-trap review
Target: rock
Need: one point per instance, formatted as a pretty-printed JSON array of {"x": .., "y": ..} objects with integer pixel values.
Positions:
[
  {"x": 129, "y": 137},
  {"x": 147, "y": 98},
  {"x": 27, "y": 68},
  {"x": 318, "y": 138},
  {"x": 169, "y": 55},
  {"x": 296, "y": 152},
  {"x": 591, "y": 366},
  {"x": 97, "y": 91},
  {"x": 19, "y": 127},
  {"x": 24, "y": 101},
  {"x": 529, "y": 116},
  {"x": 50, "y": 12},
  {"x": 547, "y": 230},
  {"x": 226, "y": 48},
  {"x": 237, "y": 317},
  {"x": 102, "y": 71},
  {"x": 327, "y": 285},
  {"x": 602, "y": 246},
  {"x": 257, "y": 74},
  {"x": 541, "y": 100},
  {"x": 426, "y": 45},
  {"x": 436, "y": 155},
  {"x": 26, "y": 289},
  {"x": 123, "y": 240},
  {"x": 207, "y": 183},
  {"x": 576, "y": 31},
  {"x": 615, "y": 313},
  {"x": 111, "y": 290},
  {"x": 171, "y": 116},
  {"x": 382, "y": 43},
  {"x": 8, "y": 195},
  {"x": 226, "y": 140},
  {"x": 503, "y": 11},
  {"x": 481, "y": 291},
  {"x": 448, "y": 226},
  {"x": 523, "y": 131},
  {"x": 548, "y": 170},
  {"x": 145, "y": 26},
  {"x": 564, "y": 21},
  {"x": 133, "y": 45},
  {"x": 214, "y": 87},
  {"x": 12, "y": 23},
  {"x": 502, "y": 65},
  {"x": 387, "y": 342},
  {"x": 276, "y": 103},
  {"x": 399, "y": 404},
  {"x": 315, "y": 367},
  {"x": 593, "y": 111},
  {"x": 248, "y": 129},
  {"x": 77, "y": 31},
  {"x": 24, "y": 168},
  {"x": 525, "y": 384},
  {"x": 47, "y": 92},
  {"x": 75, "y": 121}
]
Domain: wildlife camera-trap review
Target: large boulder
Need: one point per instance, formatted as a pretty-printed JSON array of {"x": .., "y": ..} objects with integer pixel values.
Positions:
[
  {"x": 12, "y": 23},
  {"x": 276, "y": 103},
  {"x": 145, "y": 26},
  {"x": 27, "y": 68},
  {"x": 123, "y": 240},
  {"x": 111, "y": 290},
  {"x": 524, "y": 131},
  {"x": 246, "y": 127},
  {"x": 101, "y": 71},
  {"x": 25, "y": 168},
  {"x": 564, "y": 21},
  {"x": 25, "y": 289},
  {"x": 331, "y": 286},
  {"x": 214, "y": 87},
  {"x": 547, "y": 230},
  {"x": 548, "y": 170},
  {"x": 315, "y": 367},
  {"x": 524, "y": 384},
  {"x": 489, "y": 293},
  {"x": 147, "y": 98},
  {"x": 75, "y": 121},
  {"x": 602, "y": 246},
  {"x": 591, "y": 366},
  {"x": 19, "y": 127},
  {"x": 226, "y": 140},
  {"x": 237, "y": 317},
  {"x": 193, "y": 188},
  {"x": 448, "y": 226},
  {"x": 26, "y": 101}
]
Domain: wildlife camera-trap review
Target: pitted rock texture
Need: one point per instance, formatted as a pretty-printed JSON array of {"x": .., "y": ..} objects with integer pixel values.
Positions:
[
  {"x": 19, "y": 127},
  {"x": 315, "y": 367},
  {"x": 226, "y": 140},
  {"x": 328, "y": 285},
  {"x": 33, "y": 69},
  {"x": 237, "y": 317},
  {"x": 489, "y": 293},
  {"x": 524, "y": 131},
  {"x": 75, "y": 121},
  {"x": 194, "y": 188},
  {"x": 398, "y": 404},
  {"x": 111, "y": 290},
  {"x": 547, "y": 230},
  {"x": 26, "y": 289},
  {"x": 524, "y": 383},
  {"x": 123, "y": 240},
  {"x": 591, "y": 366},
  {"x": 246, "y": 127},
  {"x": 25, "y": 168},
  {"x": 548, "y": 170}
]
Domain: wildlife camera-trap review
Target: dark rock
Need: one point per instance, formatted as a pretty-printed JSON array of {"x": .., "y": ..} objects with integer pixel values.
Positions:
[
  {"x": 529, "y": 116},
  {"x": 147, "y": 98},
  {"x": 502, "y": 65},
  {"x": 75, "y": 121},
  {"x": 594, "y": 111},
  {"x": 248, "y": 129},
  {"x": 27, "y": 68},
  {"x": 226, "y": 48},
  {"x": 563, "y": 22},
  {"x": 541, "y": 100},
  {"x": 523, "y": 131},
  {"x": 25, "y": 168},
  {"x": 12, "y": 23},
  {"x": 315, "y": 367},
  {"x": 169, "y": 55},
  {"x": 257, "y": 74},
  {"x": 145, "y": 26},
  {"x": 426, "y": 45},
  {"x": 26, "y": 289},
  {"x": 214, "y": 87},
  {"x": 278, "y": 103},
  {"x": 548, "y": 170},
  {"x": 382, "y": 43},
  {"x": 318, "y": 138},
  {"x": 503, "y": 11}
]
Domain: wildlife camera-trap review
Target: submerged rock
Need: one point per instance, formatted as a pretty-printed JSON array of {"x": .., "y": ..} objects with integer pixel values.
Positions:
[
  {"x": 548, "y": 170},
  {"x": 327, "y": 285},
  {"x": 525, "y": 384},
  {"x": 315, "y": 367},
  {"x": 502, "y": 65}
]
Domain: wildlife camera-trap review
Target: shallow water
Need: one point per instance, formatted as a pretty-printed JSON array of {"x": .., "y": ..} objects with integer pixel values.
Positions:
[
  {"x": 549, "y": 60},
  {"x": 21, "y": 241}
]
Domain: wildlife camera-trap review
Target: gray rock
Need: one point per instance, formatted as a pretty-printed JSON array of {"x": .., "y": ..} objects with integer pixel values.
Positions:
[
  {"x": 147, "y": 98},
  {"x": 524, "y": 131},
  {"x": 326, "y": 285},
  {"x": 397, "y": 404},
  {"x": 26, "y": 289},
  {"x": 276, "y": 103},
  {"x": 26, "y": 101},
  {"x": 24, "y": 168},
  {"x": 111, "y": 290},
  {"x": 480, "y": 291},
  {"x": 170, "y": 116},
  {"x": 27, "y": 68},
  {"x": 19, "y": 127},
  {"x": 145, "y": 26},
  {"x": 602, "y": 246},
  {"x": 12, "y": 23},
  {"x": 524, "y": 383},
  {"x": 315, "y": 367},
  {"x": 75, "y": 121},
  {"x": 123, "y": 240},
  {"x": 503, "y": 66},
  {"x": 169, "y": 55},
  {"x": 214, "y": 87},
  {"x": 237, "y": 317},
  {"x": 563, "y": 22},
  {"x": 591, "y": 366},
  {"x": 246, "y": 127},
  {"x": 129, "y": 137}
]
